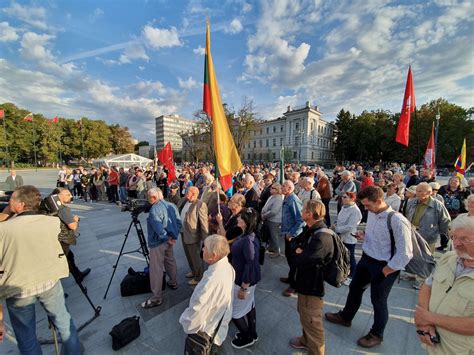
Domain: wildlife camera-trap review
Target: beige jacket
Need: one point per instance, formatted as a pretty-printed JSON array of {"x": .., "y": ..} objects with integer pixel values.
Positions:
[
  {"x": 195, "y": 224},
  {"x": 30, "y": 253},
  {"x": 452, "y": 297}
]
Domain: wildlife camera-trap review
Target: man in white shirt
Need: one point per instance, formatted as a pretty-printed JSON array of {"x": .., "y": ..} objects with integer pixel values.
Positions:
[
  {"x": 211, "y": 300},
  {"x": 308, "y": 192}
]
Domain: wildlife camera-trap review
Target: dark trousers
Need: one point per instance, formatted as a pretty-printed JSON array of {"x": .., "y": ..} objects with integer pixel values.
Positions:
[
  {"x": 289, "y": 259},
  {"x": 247, "y": 325},
  {"x": 327, "y": 217},
  {"x": 113, "y": 193},
  {"x": 351, "y": 248},
  {"x": 369, "y": 272},
  {"x": 444, "y": 240}
]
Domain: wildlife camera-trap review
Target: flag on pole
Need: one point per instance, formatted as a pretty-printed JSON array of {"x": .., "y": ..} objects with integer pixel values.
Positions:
[
  {"x": 166, "y": 157},
  {"x": 55, "y": 119},
  {"x": 429, "y": 159},
  {"x": 227, "y": 156},
  {"x": 29, "y": 117},
  {"x": 2, "y": 114},
  {"x": 408, "y": 106},
  {"x": 460, "y": 165},
  {"x": 282, "y": 165}
]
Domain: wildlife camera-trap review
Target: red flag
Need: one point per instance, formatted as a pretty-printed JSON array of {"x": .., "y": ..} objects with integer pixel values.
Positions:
[
  {"x": 166, "y": 157},
  {"x": 2, "y": 113},
  {"x": 429, "y": 159},
  {"x": 28, "y": 117},
  {"x": 55, "y": 119},
  {"x": 408, "y": 106}
]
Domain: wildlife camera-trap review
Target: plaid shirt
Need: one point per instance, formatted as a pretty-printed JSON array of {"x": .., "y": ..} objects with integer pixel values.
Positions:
[{"x": 42, "y": 287}]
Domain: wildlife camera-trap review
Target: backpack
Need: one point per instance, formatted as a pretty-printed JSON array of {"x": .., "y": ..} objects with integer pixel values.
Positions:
[
  {"x": 422, "y": 263},
  {"x": 337, "y": 270}
]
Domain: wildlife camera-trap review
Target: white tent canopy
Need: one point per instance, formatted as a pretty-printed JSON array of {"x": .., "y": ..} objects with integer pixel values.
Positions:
[{"x": 122, "y": 161}]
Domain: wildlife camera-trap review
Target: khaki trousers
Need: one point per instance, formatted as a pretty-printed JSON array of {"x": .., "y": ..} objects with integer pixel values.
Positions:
[
  {"x": 310, "y": 309},
  {"x": 161, "y": 259}
]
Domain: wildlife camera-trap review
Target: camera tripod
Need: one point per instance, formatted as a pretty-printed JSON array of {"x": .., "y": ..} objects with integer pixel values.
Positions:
[{"x": 142, "y": 249}]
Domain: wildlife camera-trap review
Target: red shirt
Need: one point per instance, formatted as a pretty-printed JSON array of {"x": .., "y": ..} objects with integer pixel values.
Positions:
[{"x": 113, "y": 178}]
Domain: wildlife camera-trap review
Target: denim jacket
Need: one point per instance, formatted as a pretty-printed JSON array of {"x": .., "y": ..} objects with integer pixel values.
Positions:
[
  {"x": 291, "y": 222},
  {"x": 157, "y": 222},
  {"x": 434, "y": 221}
]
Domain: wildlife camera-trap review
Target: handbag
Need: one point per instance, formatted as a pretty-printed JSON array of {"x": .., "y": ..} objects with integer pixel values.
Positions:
[
  {"x": 125, "y": 332},
  {"x": 200, "y": 343}
]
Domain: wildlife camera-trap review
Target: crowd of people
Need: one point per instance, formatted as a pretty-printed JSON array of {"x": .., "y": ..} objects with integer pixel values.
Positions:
[{"x": 286, "y": 213}]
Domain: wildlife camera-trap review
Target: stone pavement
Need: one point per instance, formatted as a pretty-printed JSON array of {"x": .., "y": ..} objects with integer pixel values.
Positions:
[{"x": 102, "y": 230}]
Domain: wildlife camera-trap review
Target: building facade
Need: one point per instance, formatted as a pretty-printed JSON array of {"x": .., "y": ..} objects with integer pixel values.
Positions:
[
  {"x": 168, "y": 129},
  {"x": 304, "y": 134}
]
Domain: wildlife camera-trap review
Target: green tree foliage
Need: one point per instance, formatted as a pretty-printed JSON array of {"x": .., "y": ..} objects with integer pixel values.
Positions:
[
  {"x": 370, "y": 137},
  {"x": 67, "y": 140}
]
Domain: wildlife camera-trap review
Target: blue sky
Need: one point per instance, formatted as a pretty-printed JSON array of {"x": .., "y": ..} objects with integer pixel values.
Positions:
[{"x": 127, "y": 62}]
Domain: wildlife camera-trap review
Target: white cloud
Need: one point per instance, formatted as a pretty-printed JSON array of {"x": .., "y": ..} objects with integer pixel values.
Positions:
[
  {"x": 235, "y": 26},
  {"x": 199, "y": 50},
  {"x": 7, "y": 33},
  {"x": 135, "y": 51},
  {"x": 190, "y": 83},
  {"x": 33, "y": 46},
  {"x": 246, "y": 8},
  {"x": 32, "y": 15},
  {"x": 96, "y": 15},
  {"x": 157, "y": 38}
]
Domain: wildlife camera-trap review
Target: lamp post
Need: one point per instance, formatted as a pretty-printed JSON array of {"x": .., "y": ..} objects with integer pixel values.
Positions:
[{"x": 438, "y": 116}]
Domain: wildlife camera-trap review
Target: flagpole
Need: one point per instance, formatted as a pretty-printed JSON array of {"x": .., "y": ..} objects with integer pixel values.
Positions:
[
  {"x": 7, "y": 153},
  {"x": 436, "y": 132},
  {"x": 417, "y": 139},
  {"x": 34, "y": 143}
]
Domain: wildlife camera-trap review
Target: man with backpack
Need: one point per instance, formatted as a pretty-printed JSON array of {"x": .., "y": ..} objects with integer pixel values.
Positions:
[
  {"x": 379, "y": 265},
  {"x": 311, "y": 249},
  {"x": 163, "y": 225}
]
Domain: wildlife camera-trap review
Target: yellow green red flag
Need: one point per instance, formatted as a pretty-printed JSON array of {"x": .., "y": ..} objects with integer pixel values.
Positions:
[
  {"x": 460, "y": 165},
  {"x": 227, "y": 156}
]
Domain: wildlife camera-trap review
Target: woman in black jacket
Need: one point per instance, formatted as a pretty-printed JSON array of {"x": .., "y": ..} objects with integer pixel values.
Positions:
[{"x": 312, "y": 249}]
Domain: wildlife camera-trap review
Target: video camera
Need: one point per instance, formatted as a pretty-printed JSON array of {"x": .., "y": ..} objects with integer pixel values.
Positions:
[
  {"x": 51, "y": 205},
  {"x": 136, "y": 206}
]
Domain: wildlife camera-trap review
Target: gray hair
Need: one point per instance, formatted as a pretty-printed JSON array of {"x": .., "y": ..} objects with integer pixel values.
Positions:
[
  {"x": 290, "y": 184},
  {"x": 462, "y": 221},
  {"x": 218, "y": 245},
  {"x": 155, "y": 191},
  {"x": 277, "y": 188}
]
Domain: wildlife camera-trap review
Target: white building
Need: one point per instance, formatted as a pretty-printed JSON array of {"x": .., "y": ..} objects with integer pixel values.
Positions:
[
  {"x": 168, "y": 128},
  {"x": 302, "y": 131}
]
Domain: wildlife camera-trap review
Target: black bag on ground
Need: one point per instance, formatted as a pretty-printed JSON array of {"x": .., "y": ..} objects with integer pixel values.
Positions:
[
  {"x": 125, "y": 332},
  {"x": 135, "y": 283}
]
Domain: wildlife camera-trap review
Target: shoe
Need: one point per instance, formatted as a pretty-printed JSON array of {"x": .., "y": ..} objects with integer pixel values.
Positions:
[
  {"x": 189, "y": 275},
  {"x": 83, "y": 274},
  {"x": 274, "y": 255},
  {"x": 237, "y": 335},
  {"x": 289, "y": 292},
  {"x": 285, "y": 280},
  {"x": 150, "y": 304},
  {"x": 295, "y": 343},
  {"x": 172, "y": 286},
  {"x": 192, "y": 282},
  {"x": 240, "y": 343},
  {"x": 347, "y": 281},
  {"x": 369, "y": 341},
  {"x": 336, "y": 318}
]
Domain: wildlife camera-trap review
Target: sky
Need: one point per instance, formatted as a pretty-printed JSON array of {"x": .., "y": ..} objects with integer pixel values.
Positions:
[{"x": 128, "y": 62}]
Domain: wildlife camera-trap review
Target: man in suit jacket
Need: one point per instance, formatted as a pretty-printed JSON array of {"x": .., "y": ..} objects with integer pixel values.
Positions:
[
  {"x": 195, "y": 229},
  {"x": 13, "y": 181},
  {"x": 251, "y": 196}
]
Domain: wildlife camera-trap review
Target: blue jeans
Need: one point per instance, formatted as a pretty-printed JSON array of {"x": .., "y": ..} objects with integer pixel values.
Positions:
[
  {"x": 23, "y": 319},
  {"x": 123, "y": 194},
  {"x": 369, "y": 272},
  {"x": 351, "y": 248}
]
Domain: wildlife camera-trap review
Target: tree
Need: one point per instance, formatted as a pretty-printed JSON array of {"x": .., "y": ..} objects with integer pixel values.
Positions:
[
  {"x": 121, "y": 139},
  {"x": 242, "y": 122}
]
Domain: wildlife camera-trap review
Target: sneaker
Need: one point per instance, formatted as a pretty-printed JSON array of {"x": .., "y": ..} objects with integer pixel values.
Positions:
[
  {"x": 369, "y": 341},
  {"x": 240, "y": 343},
  {"x": 347, "y": 281},
  {"x": 336, "y": 318},
  {"x": 289, "y": 292},
  {"x": 237, "y": 335},
  {"x": 295, "y": 343}
]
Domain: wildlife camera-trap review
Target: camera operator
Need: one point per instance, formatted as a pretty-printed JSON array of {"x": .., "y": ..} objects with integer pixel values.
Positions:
[
  {"x": 32, "y": 263},
  {"x": 67, "y": 236}
]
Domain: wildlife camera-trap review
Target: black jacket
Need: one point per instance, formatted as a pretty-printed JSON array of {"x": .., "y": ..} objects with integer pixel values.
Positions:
[{"x": 318, "y": 250}]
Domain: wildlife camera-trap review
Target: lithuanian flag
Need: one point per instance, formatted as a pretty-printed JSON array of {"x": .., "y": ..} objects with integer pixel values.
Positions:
[
  {"x": 227, "y": 156},
  {"x": 460, "y": 165}
]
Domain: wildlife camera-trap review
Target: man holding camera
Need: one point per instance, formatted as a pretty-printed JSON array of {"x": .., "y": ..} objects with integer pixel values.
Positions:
[
  {"x": 67, "y": 236},
  {"x": 32, "y": 263}
]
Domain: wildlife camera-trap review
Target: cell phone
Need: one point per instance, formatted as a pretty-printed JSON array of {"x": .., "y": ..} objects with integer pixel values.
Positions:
[
  {"x": 354, "y": 235},
  {"x": 434, "y": 338}
]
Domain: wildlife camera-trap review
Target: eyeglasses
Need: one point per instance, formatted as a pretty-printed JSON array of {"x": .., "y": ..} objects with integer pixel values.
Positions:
[
  {"x": 345, "y": 196},
  {"x": 463, "y": 240}
]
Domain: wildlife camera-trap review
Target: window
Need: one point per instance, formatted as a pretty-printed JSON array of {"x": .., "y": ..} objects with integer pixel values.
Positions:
[
  {"x": 281, "y": 128},
  {"x": 274, "y": 154},
  {"x": 268, "y": 130},
  {"x": 281, "y": 141},
  {"x": 274, "y": 142},
  {"x": 295, "y": 155},
  {"x": 312, "y": 155},
  {"x": 297, "y": 126},
  {"x": 260, "y": 143},
  {"x": 274, "y": 129},
  {"x": 255, "y": 144},
  {"x": 266, "y": 143}
]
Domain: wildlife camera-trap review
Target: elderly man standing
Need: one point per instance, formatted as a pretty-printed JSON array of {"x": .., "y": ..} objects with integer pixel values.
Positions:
[
  {"x": 429, "y": 216},
  {"x": 308, "y": 192},
  {"x": 291, "y": 225},
  {"x": 346, "y": 185},
  {"x": 13, "y": 180},
  {"x": 251, "y": 195},
  {"x": 210, "y": 305},
  {"x": 446, "y": 301},
  {"x": 194, "y": 215},
  {"x": 160, "y": 242}
]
